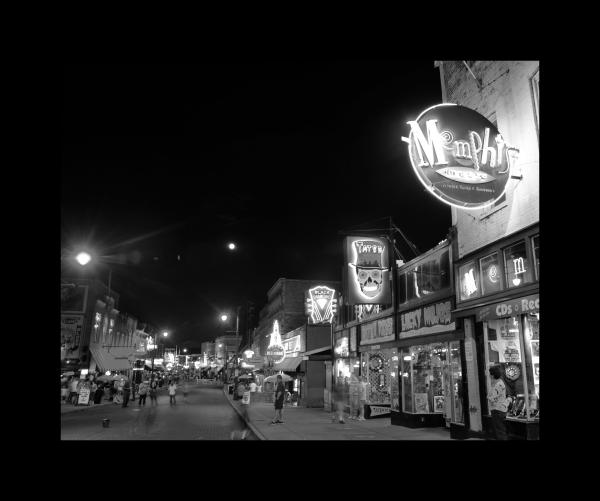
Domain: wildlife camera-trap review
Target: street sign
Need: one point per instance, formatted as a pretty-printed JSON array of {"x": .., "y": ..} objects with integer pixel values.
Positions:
[{"x": 84, "y": 396}]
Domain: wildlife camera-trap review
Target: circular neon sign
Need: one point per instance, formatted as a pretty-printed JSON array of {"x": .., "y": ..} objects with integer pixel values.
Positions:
[{"x": 459, "y": 156}]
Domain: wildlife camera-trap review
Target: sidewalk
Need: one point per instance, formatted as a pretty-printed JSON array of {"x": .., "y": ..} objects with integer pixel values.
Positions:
[
  {"x": 301, "y": 423},
  {"x": 67, "y": 408}
]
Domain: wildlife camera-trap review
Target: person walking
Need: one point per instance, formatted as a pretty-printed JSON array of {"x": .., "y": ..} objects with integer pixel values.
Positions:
[
  {"x": 142, "y": 392},
  {"x": 172, "y": 392},
  {"x": 73, "y": 391},
  {"x": 153, "y": 390},
  {"x": 185, "y": 390},
  {"x": 126, "y": 392},
  {"x": 252, "y": 387},
  {"x": 363, "y": 392},
  {"x": 240, "y": 390},
  {"x": 498, "y": 403},
  {"x": 279, "y": 396},
  {"x": 339, "y": 397}
]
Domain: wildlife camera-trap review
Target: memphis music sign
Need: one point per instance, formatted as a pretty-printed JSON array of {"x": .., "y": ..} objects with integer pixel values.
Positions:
[
  {"x": 460, "y": 156},
  {"x": 320, "y": 304}
]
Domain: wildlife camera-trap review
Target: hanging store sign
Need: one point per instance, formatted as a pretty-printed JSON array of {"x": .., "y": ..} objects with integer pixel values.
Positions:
[
  {"x": 367, "y": 276},
  {"x": 429, "y": 319},
  {"x": 341, "y": 347},
  {"x": 320, "y": 304},
  {"x": 460, "y": 156},
  {"x": 291, "y": 346},
  {"x": 275, "y": 350},
  {"x": 378, "y": 331},
  {"x": 514, "y": 307}
]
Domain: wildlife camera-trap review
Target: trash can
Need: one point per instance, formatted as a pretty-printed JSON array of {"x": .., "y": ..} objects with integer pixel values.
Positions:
[{"x": 105, "y": 423}]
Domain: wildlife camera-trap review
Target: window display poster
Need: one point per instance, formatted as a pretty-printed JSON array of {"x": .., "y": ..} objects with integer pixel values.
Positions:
[
  {"x": 421, "y": 403},
  {"x": 438, "y": 403},
  {"x": 353, "y": 339}
]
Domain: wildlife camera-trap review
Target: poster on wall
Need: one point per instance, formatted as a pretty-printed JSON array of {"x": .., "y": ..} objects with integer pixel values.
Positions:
[
  {"x": 460, "y": 156},
  {"x": 438, "y": 403},
  {"x": 367, "y": 275},
  {"x": 70, "y": 334},
  {"x": 421, "y": 403}
]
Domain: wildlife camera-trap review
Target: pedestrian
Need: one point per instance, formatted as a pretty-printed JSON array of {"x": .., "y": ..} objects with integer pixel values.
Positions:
[
  {"x": 354, "y": 390},
  {"x": 93, "y": 389},
  {"x": 172, "y": 392},
  {"x": 126, "y": 392},
  {"x": 498, "y": 403},
  {"x": 153, "y": 391},
  {"x": 99, "y": 393},
  {"x": 73, "y": 391},
  {"x": 363, "y": 392},
  {"x": 142, "y": 391},
  {"x": 185, "y": 391},
  {"x": 246, "y": 403},
  {"x": 253, "y": 387},
  {"x": 279, "y": 396},
  {"x": 339, "y": 398},
  {"x": 240, "y": 390}
]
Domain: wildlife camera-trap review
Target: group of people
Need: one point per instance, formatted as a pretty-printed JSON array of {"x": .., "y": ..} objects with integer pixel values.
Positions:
[{"x": 354, "y": 390}]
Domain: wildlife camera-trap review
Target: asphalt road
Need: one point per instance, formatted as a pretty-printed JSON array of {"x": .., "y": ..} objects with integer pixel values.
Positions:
[{"x": 204, "y": 415}]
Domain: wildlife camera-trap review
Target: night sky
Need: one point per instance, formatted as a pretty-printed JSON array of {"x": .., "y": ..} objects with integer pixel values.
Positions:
[{"x": 161, "y": 161}]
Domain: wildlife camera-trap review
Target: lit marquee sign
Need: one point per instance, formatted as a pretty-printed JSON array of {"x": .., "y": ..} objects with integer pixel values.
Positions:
[
  {"x": 275, "y": 350},
  {"x": 367, "y": 271},
  {"x": 320, "y": 304},
  {"x": 460, "y": 156}
]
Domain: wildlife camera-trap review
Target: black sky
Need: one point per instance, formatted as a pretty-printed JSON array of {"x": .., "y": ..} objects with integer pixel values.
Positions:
[{"x": 276, "y": 156}]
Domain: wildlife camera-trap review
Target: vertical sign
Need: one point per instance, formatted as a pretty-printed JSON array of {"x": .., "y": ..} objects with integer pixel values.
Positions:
[{"x": 367, "y": 275}]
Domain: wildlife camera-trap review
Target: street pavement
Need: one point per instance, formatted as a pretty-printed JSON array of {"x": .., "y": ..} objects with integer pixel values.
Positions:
[
  {"x": 301, "y": 423},
  {"x": 204, "y": 415}
]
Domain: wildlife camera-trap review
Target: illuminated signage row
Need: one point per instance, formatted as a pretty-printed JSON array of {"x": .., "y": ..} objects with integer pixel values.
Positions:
[
  {"x": 427, "y": 320},
  {"x": 460, "y": 156},
  {"x": 367, "y": 277},
  {"x": 320, "y": 304}
]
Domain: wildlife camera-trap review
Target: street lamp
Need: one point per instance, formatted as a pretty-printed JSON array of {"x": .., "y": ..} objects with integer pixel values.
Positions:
[
  {"x": 231, "y": 246},
  {"x": 165, "y": 334},
  {"x": 83, "y": 258}
]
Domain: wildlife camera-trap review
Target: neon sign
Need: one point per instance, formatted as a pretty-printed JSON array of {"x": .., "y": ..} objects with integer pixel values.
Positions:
[
  {"x": 275, "y": 350},
  {"x": 321, "y": 304},
  {"x": 367, "y": 271},
  {"x": 462, "y": 159}
]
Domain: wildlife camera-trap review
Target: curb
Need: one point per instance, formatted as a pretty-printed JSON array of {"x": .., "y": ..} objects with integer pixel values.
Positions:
[{"x": 248, "y": 423}]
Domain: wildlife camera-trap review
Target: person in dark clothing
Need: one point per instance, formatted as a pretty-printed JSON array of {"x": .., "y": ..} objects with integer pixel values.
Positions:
[
  {"x": 99, "y": 393},
  {"x": 279, "y": 396},
  {"x": 126, "y": 392}
]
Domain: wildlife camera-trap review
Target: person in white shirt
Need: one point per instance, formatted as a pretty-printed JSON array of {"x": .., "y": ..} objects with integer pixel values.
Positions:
[
  {"x": 172, "y": 392},
  {"x": 498, "y": 403},
  {"x": 253, "y": 387}
]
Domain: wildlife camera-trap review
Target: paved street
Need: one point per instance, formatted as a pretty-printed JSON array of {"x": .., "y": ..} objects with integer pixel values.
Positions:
[{"x": 205, "y": 415}]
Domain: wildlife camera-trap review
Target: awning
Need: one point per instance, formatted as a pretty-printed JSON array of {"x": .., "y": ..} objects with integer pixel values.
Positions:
[
  {"x": 289, "y": 364},
  {"x": 113, "y": 359}
]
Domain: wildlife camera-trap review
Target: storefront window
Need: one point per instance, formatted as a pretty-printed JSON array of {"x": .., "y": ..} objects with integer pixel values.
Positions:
[
  {"x": 535, "y": 243},
  {"x": 491, "y": 277},
  {"x": 508, "y": 346},
  {"x": 428, "y": 277},
  {"x": 394, "y": 382},
  {"x": 468, "y": 276},
  {"x": 424, "y": 377},
  {"x": 517, "y": 266}
]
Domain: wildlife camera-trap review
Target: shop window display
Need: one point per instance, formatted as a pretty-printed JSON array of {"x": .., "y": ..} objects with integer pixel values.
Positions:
[
  {"x": 425, "y": 376},
  {"x": 517, "y": 266},
  {"x": 455, "y": 392},
  {"x": 513, "y": 343}
]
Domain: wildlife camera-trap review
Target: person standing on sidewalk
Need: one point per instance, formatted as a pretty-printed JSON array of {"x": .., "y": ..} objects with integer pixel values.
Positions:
[
  {"x": 126, "y": 392},
  {"x": 339, "y": 397},
  {"x": 73, "y": 391},
  {"x": 172, "y": 392},
  {"x": 98, "y": 394},
  {"x": 142, "y": 392},
  {"x": 93, "y": 389},
  {"x": 498, "y": 403},
  {"x": 153, "y": 390},
  {"x": 279, "y": 396}
]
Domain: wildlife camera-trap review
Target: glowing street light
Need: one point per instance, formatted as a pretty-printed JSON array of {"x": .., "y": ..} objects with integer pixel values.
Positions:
[
  {"x": 185, "y": 350},
  {"x": 83, "y": 258},
  {"x": 165, "y": 334},
  {"x": 224, "y": 318},
  {"x": 231, "y": 246}
]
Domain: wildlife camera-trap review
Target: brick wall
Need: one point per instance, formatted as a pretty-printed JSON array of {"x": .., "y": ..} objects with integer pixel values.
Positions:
[{"x": 505, "y": 96}]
